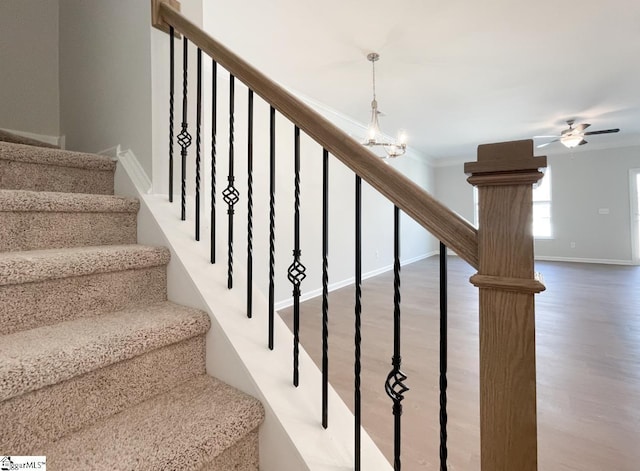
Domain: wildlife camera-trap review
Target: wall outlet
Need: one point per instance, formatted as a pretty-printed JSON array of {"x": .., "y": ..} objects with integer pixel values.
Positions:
[
  {"x": 377, "y": 254},
  {"x": 572, "y": 245}
]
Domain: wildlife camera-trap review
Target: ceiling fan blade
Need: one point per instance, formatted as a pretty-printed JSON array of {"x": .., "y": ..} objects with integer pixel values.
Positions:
[
  {"x": 546, "y": 144},
  {"x": 582, "y": 127},
  {"x": 582, "y": 142},
  {"x": 605, "y": 131}
]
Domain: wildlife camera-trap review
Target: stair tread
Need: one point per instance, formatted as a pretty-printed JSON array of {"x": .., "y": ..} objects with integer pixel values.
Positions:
[
  {"x": 38, "y": 265},
  {"x": 39, "y": 357},
  {"x": 41, "y": 201},
  {"x": 182, "y": 429},
  {"x": 7, "y": 136},
  {"x": 57, "y": 157}
]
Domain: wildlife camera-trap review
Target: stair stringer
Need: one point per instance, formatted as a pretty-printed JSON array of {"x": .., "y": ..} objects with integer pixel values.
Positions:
[{"x": 291, "y": 437}]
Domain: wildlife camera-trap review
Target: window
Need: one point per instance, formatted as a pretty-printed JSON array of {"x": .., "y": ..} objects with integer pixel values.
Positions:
[{"x": 541, "y": 207}]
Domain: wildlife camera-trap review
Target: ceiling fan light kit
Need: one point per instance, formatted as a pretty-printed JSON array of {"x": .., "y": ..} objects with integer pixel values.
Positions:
[
  {"x": 375, "y": 137},
  {"x": 572, "y": 140}
]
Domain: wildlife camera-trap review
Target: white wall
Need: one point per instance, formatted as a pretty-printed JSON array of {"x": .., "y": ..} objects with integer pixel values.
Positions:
[
  {"x": 583, "y": 182},
  {"x": 105, "y": 76},
  {"x": 29, "y": 66}
]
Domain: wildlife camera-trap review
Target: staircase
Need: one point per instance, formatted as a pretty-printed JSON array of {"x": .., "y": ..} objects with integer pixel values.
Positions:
[{"x": 97, "y": 368}]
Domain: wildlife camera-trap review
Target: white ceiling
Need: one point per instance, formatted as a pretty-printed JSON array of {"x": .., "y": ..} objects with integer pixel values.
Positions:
[{"x": 453, "y": 73}]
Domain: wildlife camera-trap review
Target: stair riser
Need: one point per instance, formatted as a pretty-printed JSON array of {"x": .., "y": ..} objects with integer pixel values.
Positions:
[
  {"x": 36, "y": 177},
  {"x": 31, "y": 230},
  {"x": 241, "y": 456},
  {"x": 52, "y": 412},
  {"x": 30, "y": 305}
]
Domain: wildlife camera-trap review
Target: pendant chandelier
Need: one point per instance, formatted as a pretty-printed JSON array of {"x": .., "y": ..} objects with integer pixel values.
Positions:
[{"x": 375, "y": 137}]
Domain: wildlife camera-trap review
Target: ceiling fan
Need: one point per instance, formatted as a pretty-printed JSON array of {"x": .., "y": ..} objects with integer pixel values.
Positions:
[{"x": 573, "y": 137}]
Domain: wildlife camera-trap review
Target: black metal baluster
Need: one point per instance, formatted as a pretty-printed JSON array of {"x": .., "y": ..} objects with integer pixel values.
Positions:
[
  {"x": 358, "y": 312},
  {"x": 296, "y": 273},
  {"x": 198, "y": 129},
  {"x": 272, "y": 220},
  {"x": 250, "y": 208},
  {"x": 214, "y": 124},
  {"x": 230, "y": 193},
  {"x": 171, "y": 91},
  {"x": 394, "y": 385},
  {"x": 325, "y": 288},
  {"x": 184, "y": 138},
  {"x": 443, "y": 357}
]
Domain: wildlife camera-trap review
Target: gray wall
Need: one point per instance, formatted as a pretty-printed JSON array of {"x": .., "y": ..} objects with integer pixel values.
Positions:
[
  {"x": 452, "y": 189},
  {"x": 105, "y": 76},
  {"x": 583, "y": 182},
  {"x": 29, "y": 66}
]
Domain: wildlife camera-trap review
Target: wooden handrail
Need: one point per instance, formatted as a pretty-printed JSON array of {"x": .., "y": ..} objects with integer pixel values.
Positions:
[{"x": 446, "y": 225}]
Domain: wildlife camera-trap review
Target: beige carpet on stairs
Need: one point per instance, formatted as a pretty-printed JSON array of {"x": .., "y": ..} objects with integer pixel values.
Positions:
[
  {"x": 7, "y": 136},
  {"x": 98, "y": 370}
]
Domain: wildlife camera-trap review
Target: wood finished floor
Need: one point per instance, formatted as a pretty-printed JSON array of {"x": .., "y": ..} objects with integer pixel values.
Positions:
[{"x": 588, "y": 364}]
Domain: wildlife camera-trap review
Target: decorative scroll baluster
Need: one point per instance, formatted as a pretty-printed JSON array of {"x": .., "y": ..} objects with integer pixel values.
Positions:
[
  {"x": 272, "y": 219},
  {"x": 443, "y": 357},
  {"x": 250, "y": 208},
  {"x": 230, "y": 193},
  {"x": 358, "y": 312},
  {"x": 394, "y": 385},
  {"x": 171, "y": 91},
  {"x": 184, "y": 138},
  {"x": 214, "y": 123},
  {"x": 198, "y": 129},
  {"x": 325, "y": 288},
  {"x": 296, "y": 273}
]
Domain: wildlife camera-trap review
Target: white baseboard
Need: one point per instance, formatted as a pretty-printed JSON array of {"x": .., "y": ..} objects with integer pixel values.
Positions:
[
  {"x": 130, "y": 162},
  {"x": 546, "y": 258},
  {"x": 349, "y": 281},
  {"x": 55, "y": 140}
]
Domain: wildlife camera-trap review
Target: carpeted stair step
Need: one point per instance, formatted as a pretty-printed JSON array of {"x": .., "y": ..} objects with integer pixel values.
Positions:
[
  {"x": 34, "y": 220},
  {"x": 42, "y": 287},
  {"x": 203, "y": 424},
  {"x": 24, "y": 167},
  {"x": 6, "y": 136},
  {"x": 59, "y": 378}
]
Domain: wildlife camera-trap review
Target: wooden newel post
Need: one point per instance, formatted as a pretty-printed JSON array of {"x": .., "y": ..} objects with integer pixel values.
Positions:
[{"x": 504, "y": 175}]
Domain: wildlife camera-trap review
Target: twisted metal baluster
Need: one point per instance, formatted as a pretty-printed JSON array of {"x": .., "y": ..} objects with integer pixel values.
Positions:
[
  {"x": 325, "y": 288},
  {"x": 250, "y": 208},
  {"x": 272, "y": 219},
  {"x": 214, "y": 122},
  {"x": 171, "y": 92},
  {"x": 394, "y": 385},
  {"x": 296, "y": 273},
  {"x": 358, "y": 322},
  {"x": 184, "y": 138},
  {"x": 443, "y": 357},
  {"x": 230, "y": 193},
  {"x": 198, "y": 129}
]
